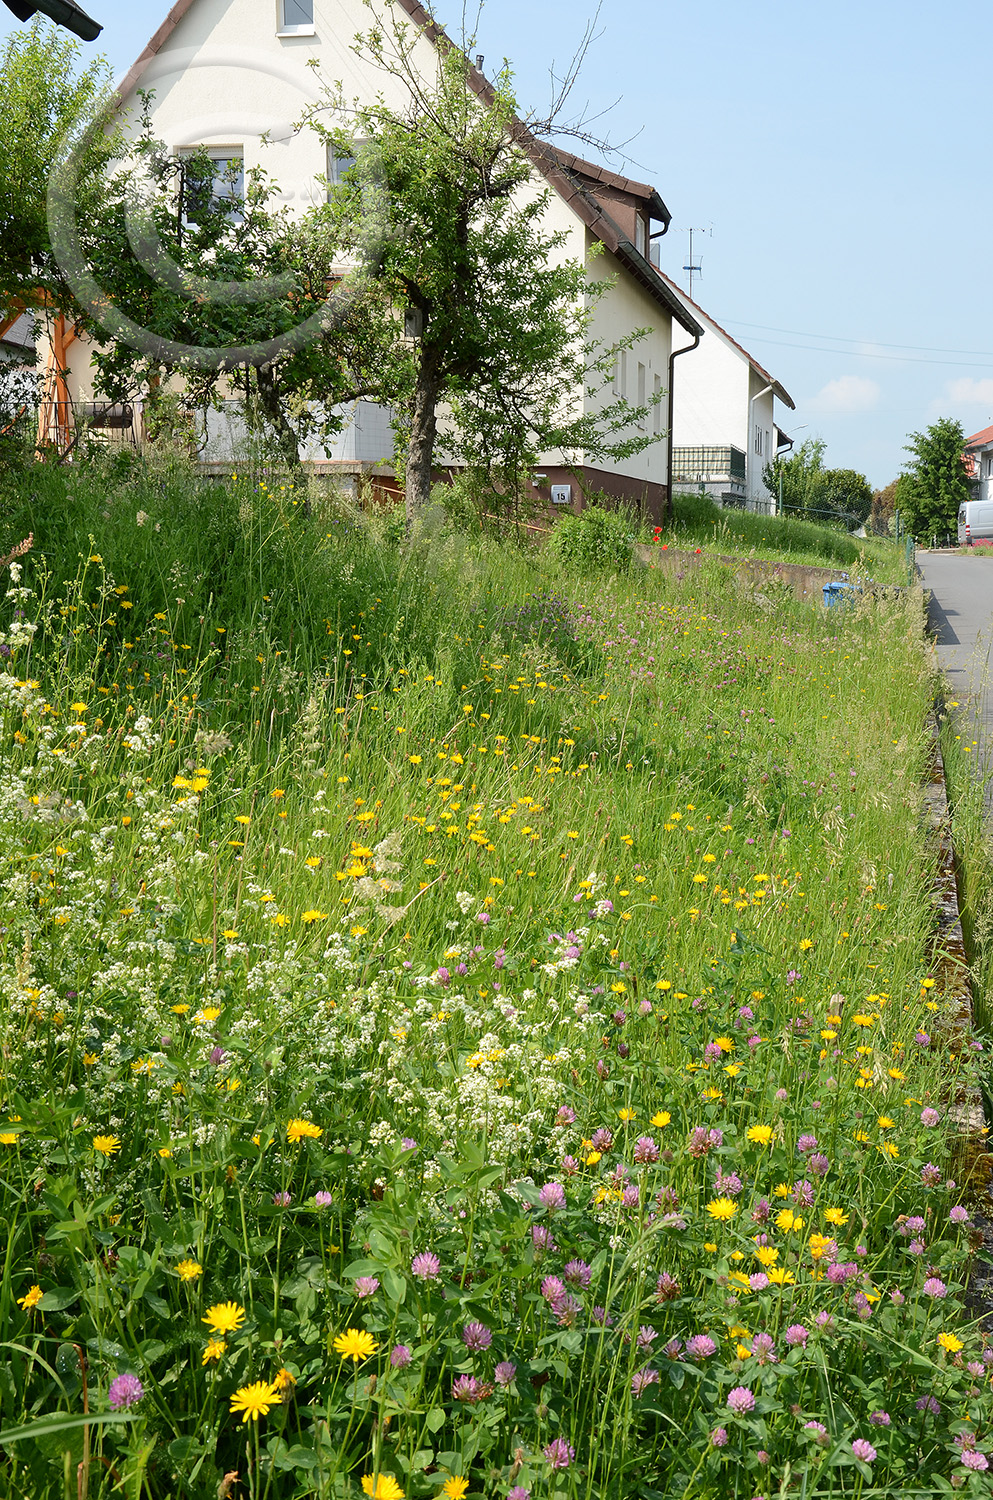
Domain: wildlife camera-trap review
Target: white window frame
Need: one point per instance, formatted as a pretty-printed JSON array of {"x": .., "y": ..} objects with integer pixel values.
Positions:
[
  {"x": 294, "y": 28},
  {"x": 642, "y": 393},
  {"x": 339, "y": 165},
  {"x": 758, "y": 444},
  {"x": 657, "y": 412}
]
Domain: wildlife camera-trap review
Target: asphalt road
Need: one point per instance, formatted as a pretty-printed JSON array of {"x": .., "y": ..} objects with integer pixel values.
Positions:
[{"x": 961, "y": 617}]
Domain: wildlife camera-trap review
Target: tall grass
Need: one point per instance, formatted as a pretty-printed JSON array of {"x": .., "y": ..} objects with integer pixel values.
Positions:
[{"x": 476, "y": 1018}]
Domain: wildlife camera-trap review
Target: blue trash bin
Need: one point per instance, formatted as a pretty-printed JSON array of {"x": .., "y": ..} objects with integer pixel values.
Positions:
[{"x": 838, "y": 593}]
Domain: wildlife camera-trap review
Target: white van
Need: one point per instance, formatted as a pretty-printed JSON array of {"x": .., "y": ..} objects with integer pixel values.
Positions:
[{"x": 975, "y": 522}]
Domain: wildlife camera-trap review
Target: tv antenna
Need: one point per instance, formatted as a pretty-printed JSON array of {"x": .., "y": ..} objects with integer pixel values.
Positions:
[{"x": 691, "y": 267}]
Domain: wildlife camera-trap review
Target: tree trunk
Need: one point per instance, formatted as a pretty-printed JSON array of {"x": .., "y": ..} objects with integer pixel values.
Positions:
[
  {"x": 271, "y": 408},
  {"x": 423, "y": 434}
]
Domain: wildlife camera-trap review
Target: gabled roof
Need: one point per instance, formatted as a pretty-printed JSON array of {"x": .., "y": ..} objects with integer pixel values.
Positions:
[
  {"x": 777, "y": 389},
  {"x": 980, "y": 439},
  {"x": 563, "y": 172}
]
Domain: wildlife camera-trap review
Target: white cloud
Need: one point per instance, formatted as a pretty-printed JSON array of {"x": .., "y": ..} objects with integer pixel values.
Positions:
[
  {"x": 847, "y": 393},
  {"x": 970, "y": 392}
]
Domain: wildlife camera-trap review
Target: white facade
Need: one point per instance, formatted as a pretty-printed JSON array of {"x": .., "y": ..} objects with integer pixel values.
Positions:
[
  {"x": 724, "y": 399},
  {"x": 235, "y": 76}
]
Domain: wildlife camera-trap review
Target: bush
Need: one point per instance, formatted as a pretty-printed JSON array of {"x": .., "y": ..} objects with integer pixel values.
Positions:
[{"x": 596, "y": 540}]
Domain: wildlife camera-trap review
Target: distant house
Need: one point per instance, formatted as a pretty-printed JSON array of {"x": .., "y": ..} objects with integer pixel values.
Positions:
[
  {"x": 17, "y": 338},
  {"x": 724, "y": 419},
  {"x": 978, "y": 458},
  {"x": 232, "y": 76}
]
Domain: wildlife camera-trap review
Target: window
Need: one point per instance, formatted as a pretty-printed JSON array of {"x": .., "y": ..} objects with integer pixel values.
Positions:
[
  {"x": 339, "y": 165},
  {"x": 758, "y": 440},
  {"x": 642, "y": 391},
  {"x": 296, "y": 17},
  {"x": 227, "y": 184},
  {"x": 621, "y": 372},
  {"x": 657, "y": 413},
  {"x": 641, "y": 235}
]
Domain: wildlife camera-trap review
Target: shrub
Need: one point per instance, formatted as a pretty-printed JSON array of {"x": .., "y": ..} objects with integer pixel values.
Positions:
[{"x": 596, "y": 540}]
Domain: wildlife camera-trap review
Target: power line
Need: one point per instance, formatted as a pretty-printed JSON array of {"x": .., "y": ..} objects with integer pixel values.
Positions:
[
  {"x": 841, "y": 339},
  {"x": 860, "y": 354}
]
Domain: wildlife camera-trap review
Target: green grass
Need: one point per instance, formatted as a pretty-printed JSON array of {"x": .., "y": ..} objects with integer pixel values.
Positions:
[
  {"x": 698, "y": 522},
  {"x": 500, "y": 880}
]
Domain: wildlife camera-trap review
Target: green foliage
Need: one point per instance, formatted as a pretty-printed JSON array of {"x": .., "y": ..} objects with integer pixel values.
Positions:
[
  {"x": 698, "y": 521},
  {"x": 41, "y": 97},
  {"x": 847, "y": 492},
  {"x": 804, "y": 484},
  {"x": 450, "y": 204},
  {"x": 346, "y": 909},
  {"x": 936, "y": 480},
  {"x": 598, "y": 539}
]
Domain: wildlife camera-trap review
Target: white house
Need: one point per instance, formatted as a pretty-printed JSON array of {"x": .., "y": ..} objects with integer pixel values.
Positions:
[
  {"x": 978, "y": 458},
  {"x": 724, "y": 420},
  {"x": 225, "y": 73}
]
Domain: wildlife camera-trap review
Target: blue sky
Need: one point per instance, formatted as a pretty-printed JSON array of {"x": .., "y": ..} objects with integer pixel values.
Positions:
[{"x": 838, "y": 158}]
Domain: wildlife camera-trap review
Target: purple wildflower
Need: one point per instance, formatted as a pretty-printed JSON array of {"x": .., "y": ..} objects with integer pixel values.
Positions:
[
  {"x": 600, "y": 1316},
  {"x": 518, "y": 1492},
  {"x": 819, "y": 1164},
  {"x": 426, "y": 1266},
  {"x": 672, "y": 1349},
  {"x": 879, "y": 1418},
  {"x": 973, "y": 1459},
  {"x": 797, "y": 1335},
  {"x": 929, "y": 1117},
  {"x": 934, "y": 1287},
  {"x": 645, "y": 1150},
  {"x": 719, "y": 1437},
  {"x": 803, "y": 1193},
  {"x": 741, "y": 1400},
  {"x": 758, "y": 1281},
  {"x": 601, "y": 1139},
  {"x": 476, "y": 1336},
  {"x": 467, "y": 1388},
  {"x": 928, "y": 1405},
  {"x": 700, "y": 1346},
  {"x": 642, "y": 1379},
  {"x": 666, "y": 1288},
  {"x": 504, "y": 1372},
  {"x": 930, "y": 1174},
  {"x": 323, "y": 1199},
  {"x": 282, "y": 1200},
  {"x": 761, "y": 1211},
  {"x": 125, "y": 1391},
  {"x": 565, "y": 1116},
  {"x": 806, "y": 1144},
  {"x": 407, "y": 1143},
  {"x": 959, "y": 1214},
  {"x": 541, "y": 1238},
  {"x": 552, "y": 1196},
  {"x": 863, "y": 1450},
  {"x": 578, "y": 1272},
  {"x": 764, "y": 1349},
  {"x": 366, "y": 1286},
  {"x": 400, "y": 1356},
  {"x": 646, "y": 1337},
  {"x": 729, "y": 1183},
  {"x": 817, "y": 1431},
  {"x": 559, "y": 1453}
]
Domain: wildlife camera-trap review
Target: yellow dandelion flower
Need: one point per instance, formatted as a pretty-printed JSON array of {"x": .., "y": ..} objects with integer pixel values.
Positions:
[
  {"x": 722, "y": 1208},
  {"x": 786, "y": 1220},
  {"x": 836, "y": 1216},
  {"x": 661, "y": 1119},
  {"x": 950, "y": 1343},
  {"x": 626, "y": 1114},
  {"x": 224, "y": 1317},
  {"x": 214, "y": 1350},
  {"x": 383, "y": 1487},
  {"x": 455, "y": 1488},
  {"x": 297, "y": 1130},
  {"x": 779, "y": 1276},
  {"x": 188, "y": 1270},
  {"x": 285, "y": 1380},
  {"x": 760, "y": 1134},
  {"x": 355, "y": 1344},
  {"x": 106, "y": 1145},
  {"x": 31, "y": 1298},
  {"x": 313, "y": 916},
  {"x": 254, "y": 1401},
  {"x": 766, "y": 1255}
]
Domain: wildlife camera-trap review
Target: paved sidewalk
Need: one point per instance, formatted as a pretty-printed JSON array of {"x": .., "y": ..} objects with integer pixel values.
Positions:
[{"x": 961, "y": 618}]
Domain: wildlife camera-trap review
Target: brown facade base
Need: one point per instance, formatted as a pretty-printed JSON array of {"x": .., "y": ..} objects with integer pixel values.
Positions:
[{"x": 644, "y": 495}]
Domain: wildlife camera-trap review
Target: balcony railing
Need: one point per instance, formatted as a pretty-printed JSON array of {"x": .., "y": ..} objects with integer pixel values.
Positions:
[
  {"x": 63, "y": 423},
  {"x": 708, "y": 465}
]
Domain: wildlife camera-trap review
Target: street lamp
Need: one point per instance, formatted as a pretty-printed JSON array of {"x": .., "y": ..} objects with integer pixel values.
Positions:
[{"x": 62, "y": 12}]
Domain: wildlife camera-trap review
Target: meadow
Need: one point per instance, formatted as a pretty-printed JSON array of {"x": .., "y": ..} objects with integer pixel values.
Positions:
[{"x": 468, "y": 1025}]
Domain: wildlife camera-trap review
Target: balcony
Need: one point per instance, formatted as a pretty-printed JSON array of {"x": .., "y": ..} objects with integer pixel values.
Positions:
[{"x": 708, "y": 465}]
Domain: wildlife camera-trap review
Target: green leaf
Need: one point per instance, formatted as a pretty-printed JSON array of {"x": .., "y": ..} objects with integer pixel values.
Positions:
[
  {"x": 394, "y": 1285},
  {"x": 57, "y": 1298},
  {"x": 435, "y": 1419},
  {"x": 53, "y": 1422}
]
